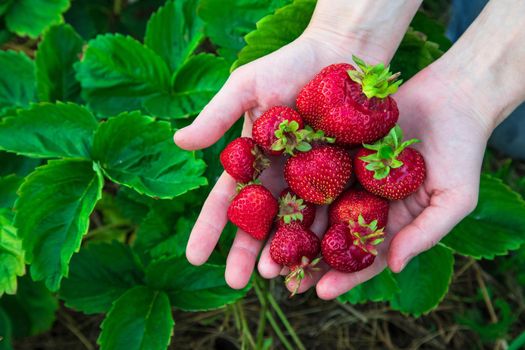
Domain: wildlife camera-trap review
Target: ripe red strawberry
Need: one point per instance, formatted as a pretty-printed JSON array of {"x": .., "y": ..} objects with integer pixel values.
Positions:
[
  {"x": 352, "y": 106},
  {"x": 296, "y": 247},
  {"x": 351, "y": 247},
  {"x": 389, "y": 168},
  {"x": 243, "y": 160},
  {"x": 293, "y": 209},
  {"x": 253, "y": 210},
  {"x": 320, "y": 175},
  {"x": 355, "y": 202},
  {"x": 282, "y": 119}
]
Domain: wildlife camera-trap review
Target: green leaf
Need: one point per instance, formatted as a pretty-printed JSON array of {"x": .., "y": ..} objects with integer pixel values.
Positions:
[
  {"x": 486, "y": 330},
  {"x": 275, "y": 31},
  {"x": 228, "y": 21},
  {"x": 163, "y": 232},
  {"x": 32, "y": 17},
  {"x": 133, "y": 205},
  {"x": 192, "y": 288},
  {"x": 117, "y": 73},
  {"x": 174, "y": 32},
  {"x": 6, "y": 330},
  {"x": 31, "y": 310},
  {"x": 52, "y": 215},
  {"x": 17, "y": 80},
  {"x": 424, "y": 281},
  {"x": 193, "y": 87},
  {"x": 8, "y": 187},
  {"x": 99, "y": 274},
  {"x": 57, "y": 52},
  {"x": 15, "y": 164},
  {"x": 382, "y": 287},
  {"x": 433, "y": 30},
  {"x": 139, "y": 320},
  {"x": 144, "y": 157},
  {"x": 4, "y": 6},
  {"x": 496, "y": 226},
  {"x": 414, "y": 53},
  {"x": 11, "y": 254},
  {"x": 49, "y": 130}
]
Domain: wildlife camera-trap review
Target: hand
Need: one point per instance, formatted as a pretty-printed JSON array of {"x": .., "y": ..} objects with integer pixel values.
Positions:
[
  {"x": 272, "y": 80},
  {"x": 453, "y": 137}
]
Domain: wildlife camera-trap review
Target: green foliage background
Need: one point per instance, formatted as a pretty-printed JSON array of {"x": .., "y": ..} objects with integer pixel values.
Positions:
[{"x": 97, "y": 203}]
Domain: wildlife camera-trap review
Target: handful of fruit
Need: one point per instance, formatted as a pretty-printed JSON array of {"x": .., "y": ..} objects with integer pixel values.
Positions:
[{"x": 345, "y": 123}]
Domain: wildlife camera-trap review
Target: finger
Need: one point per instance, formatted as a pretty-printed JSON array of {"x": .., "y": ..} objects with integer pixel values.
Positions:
[
  {"x": 427, "y": 229},
  {"x": 241, "y": 260},
  {"x": 211, "y": 221},
  {"x": 219, "y": 115},
  {"x": 267, "y": 267},
  {"x": 334, "y": 283}
]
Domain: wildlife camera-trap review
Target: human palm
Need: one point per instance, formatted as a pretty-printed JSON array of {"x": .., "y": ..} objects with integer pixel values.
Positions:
[
  {"x": 452, "y": 146},
  {"x": 453, "y": 142}
]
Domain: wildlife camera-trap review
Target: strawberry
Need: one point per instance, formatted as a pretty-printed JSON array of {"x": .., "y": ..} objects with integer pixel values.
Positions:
[
  {"x": 352, "y": 106},
  {"x": 355, "y": 202},
  {"x": 243, "y": 160},
  {"x": 293, "y": 209},
  {"x": 253, "y": 210},
  {"x": 281, "y": 130},
  {"x": 320, "y": 175},
  {"x": 389, "y": 168},
  {"x": 296, "y": 247},
  {"x": 351, "y": 247},
  {"x": 278, "y": 118}
]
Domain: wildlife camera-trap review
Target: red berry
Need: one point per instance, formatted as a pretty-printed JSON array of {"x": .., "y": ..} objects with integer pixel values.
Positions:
[
  {"x": 253, "y": 210},
  {"x": 243, "y": 160},
  {"x": 352, "y": 106},
  {"x": 274, "y": 119},
  {"x": 293, "y": 209},
  {"x": 296, "y": 247},
  {"x": 355, "y": 202},
  {"x": 319, "y": 175},
  {"x": 351, "y": 247},
  {"x": 389, "y": 168}
]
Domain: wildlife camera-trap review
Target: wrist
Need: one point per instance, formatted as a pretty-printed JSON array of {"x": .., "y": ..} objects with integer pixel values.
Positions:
[
  {"x": 488, "y": 78},
  {"x": 374, "y": 26}
]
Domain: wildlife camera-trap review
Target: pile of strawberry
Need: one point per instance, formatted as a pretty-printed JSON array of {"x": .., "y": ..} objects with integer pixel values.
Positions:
[{"x": 345, "y": 123}]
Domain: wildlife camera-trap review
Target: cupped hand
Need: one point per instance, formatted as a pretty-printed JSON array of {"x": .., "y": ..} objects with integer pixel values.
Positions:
[
  {"x": 454, "y": 136},
  {"x": 272, "y": 80}
]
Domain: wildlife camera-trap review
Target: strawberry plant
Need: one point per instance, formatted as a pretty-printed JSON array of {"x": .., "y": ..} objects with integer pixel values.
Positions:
[{"x": 97, "y": 202}]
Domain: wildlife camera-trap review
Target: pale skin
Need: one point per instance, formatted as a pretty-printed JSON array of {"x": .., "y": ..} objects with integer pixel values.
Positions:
[{"x": 452, "y": 106}]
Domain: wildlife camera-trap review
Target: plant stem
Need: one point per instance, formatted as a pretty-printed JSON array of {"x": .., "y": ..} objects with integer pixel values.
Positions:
[
  {"x": 285, "y": 322},
  {"x": 262, "y": 317},
  {"x": 278, "y": 331},
  {"x": 244, "y": 325},
  {"x": 117, "y": 7}
]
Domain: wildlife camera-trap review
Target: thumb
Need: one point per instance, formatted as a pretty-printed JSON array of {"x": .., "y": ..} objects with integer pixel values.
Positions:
[
  {"x": 234, "y": 98},
  {"x": 428, "y": 228}
]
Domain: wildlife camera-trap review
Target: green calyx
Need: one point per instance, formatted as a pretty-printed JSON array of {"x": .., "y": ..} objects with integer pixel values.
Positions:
[
  {"x": 291, "y": 208},
  {"x": 240, "y": 186},
  {"x": 299, "y": 272},
  {"x": 386, "y": 152},
  {"x": 376, "y": 81},
  {"x": 290, "y": 138},
  {"x": 372, "y": 235}
]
